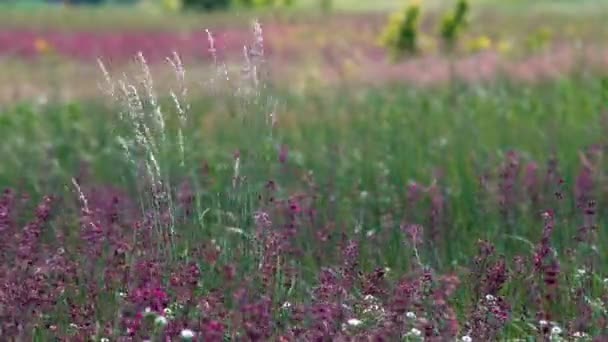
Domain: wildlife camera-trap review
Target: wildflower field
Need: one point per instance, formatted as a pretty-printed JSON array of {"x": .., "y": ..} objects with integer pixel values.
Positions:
[{"x": 284, "y": 179}]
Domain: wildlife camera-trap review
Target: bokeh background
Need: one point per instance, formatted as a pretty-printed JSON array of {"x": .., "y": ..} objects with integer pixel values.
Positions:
[{"x": 44, "y": 43}]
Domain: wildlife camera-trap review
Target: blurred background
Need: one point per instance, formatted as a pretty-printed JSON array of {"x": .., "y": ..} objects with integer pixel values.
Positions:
[{"x": 49, "y": 48}]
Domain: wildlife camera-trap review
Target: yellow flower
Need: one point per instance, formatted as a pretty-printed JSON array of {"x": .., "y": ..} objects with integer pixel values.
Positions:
[
  {"x": 480, "y": 44},
  {"x": 42, "y": 46},
  {"x": 427, "y": 43}
]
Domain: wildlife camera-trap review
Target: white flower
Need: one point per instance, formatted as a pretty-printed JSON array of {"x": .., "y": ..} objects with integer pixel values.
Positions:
[
  {"x": 466, "y": 338},
  {"x": 490, "y": 298},
  {"x": 42, "y": 99},
  {"x": 104, "y": 339},
  {"x": 579, "y": 334},
  {"x": 373, "y": 308},
  {"x": 410, "y": 315},
  {"x": 370, "y": 233},
  {"x": 369, "y": 298},
  {"x": 543, "y": 323},
  {"x": 122, "y": 294},
  {"x": 556, "y": 330},
  {"x": 286, "y": 305},
  {"x": 354, "y": 322},
  {"x": 161, "y": 321},
  {"x": 415, "y": 332},
  {"x": 187, "y": 334},
  {"x": 581, "y": 271},
  {"x": 148, "y": 312}
]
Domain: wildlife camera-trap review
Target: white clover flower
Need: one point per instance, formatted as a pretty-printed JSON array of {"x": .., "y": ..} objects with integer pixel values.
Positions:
[
  {"x": 581, "y": 271},
  {"x": 466, "y": 338},
  {"x": 122, "y": 294},
  {"x": 370, "y": 233},
  {"x": 168, "y": 312},
  {"x": 410, "y": 315},
  {"x": 161, "y": 321},
  {"x": 369, "y": 298},
  {"x": 556, "y": 330},
  {"x": 186, "y": 334},
  {"x": 104, "y": 339},
  {"x": 415, "y": 332},
  {"x": 490, "y": 298},
  {"x": 286, "y": 305},
  {"x": 579, "y": 334},
  {"x": 543, "y": 323},
  {"x": 354, "y": 322},
  {"x": 148, "y": 311}
]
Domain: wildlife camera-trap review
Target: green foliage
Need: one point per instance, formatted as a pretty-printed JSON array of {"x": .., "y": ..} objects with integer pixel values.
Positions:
[
  {"x": 365, "y": 145},
  {"x": 400, "y": 35},
  {"x": 605, "y": 91},
  {"x": 453, "y": 24},
  {"x": 326, "y": 5},
  {"x": 172, "y": 5},
  {"x": 206, "y": 5},
  {"x": 266, "y": 3},
  {"x": 539, "y": 39}
]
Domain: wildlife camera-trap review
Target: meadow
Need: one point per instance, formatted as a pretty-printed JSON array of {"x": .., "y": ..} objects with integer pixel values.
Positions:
[{"x": 310, "y": 190}]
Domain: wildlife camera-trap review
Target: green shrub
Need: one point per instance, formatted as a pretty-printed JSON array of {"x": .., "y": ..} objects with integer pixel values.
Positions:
[
  {"x": 401, "y": 32},
  {"x": 454, "y": 23},
  {"x": 206, "y": 5}
]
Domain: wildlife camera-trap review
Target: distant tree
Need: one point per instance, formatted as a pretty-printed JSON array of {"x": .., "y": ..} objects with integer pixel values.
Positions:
[
  {"x": 453, "y": 23},
  {"x": 401, "y": 33},
  {"x": 206, "y": 5}
]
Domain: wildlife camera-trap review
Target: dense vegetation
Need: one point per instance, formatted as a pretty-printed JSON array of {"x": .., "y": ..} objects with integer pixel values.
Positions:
[{"x": 245, "y": 209}]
